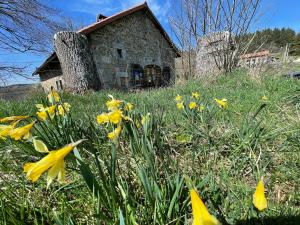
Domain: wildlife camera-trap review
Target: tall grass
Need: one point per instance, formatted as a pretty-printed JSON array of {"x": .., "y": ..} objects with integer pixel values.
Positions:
[{"x": 144, "y": 177}]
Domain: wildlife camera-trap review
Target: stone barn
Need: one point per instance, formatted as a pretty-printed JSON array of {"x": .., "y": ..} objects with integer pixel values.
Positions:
[{"x": 130, "y": 50}]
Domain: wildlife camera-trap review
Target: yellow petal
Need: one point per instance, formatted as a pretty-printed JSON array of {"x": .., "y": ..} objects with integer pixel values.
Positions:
[
  {"x": 192, "y": 105},
  {"x": 53, "y": 97},
  {"x": 42, "y": 115},
  {"x": 114, "y": 134},
  {"x": 180, "y": 105},
  {"x": 35, "y": 170},
  {"x": 113, "y": 104},
  {"x": 5, "y": 130},
  {"x": 40, "y": 107},
  {"x": 129, "y": 107},
  {"x": 259, "y": 198},
  {"x": 12, "y": 118},
  {"x": 61, "y": 174},
  {"x": 102, "y": 118},
  {"x": 178, "y": 98},
  {"x": 200, "y": 212},
  {"x": 21, "y": 132},
  {"x": 195, "y": 95},
  {"x": 115, "y": 116},
  {"x": 40, "y": 146},
  {"x": 54, "y": 171}
]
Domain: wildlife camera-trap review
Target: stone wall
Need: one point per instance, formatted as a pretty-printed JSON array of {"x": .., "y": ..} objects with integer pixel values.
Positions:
[
  {"x": 132, "y": 40},
  {"x": 210, "y": 48},
  {"x": 52, "y": 81}
]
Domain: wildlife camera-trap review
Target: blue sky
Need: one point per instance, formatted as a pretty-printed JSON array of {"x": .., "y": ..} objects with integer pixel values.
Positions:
[{"x": 275, "y": 13}]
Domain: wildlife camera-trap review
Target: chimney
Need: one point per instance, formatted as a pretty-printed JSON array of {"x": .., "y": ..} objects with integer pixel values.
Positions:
[{"x": 100, "y": 17}]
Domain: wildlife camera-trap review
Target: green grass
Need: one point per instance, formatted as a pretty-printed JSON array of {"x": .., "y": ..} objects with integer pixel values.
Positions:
[{"x": 227, "y": 152}]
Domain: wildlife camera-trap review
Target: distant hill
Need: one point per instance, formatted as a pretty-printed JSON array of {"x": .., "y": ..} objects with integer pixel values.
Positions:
[
  {"x": 17, "y": 91},
  {"x": 276, "y": 40}
]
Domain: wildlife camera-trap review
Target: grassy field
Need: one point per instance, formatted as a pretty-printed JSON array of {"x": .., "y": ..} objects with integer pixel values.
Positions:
[{"x": 144, "y": 176}]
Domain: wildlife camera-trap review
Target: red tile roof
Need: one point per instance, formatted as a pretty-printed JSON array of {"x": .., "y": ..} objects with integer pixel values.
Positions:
[
  {"x": 255, "y": 54},
  {"x": 111, "y": 19}
]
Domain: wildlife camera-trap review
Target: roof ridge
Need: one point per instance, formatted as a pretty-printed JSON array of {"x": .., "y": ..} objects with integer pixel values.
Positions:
[{"x": 82, "y": 30}]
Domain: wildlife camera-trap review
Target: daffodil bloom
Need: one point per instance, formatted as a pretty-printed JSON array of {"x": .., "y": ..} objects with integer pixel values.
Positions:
[
  {"x": 264, "y": 98},
  {"x": 113, "y": 104},
  {"x": 195, "y": 95},
  {"x": 137, "y": 124},
  {"x": 21, "y": 132},
  {"x": 13, "y": 119},
  {"x": 54, "y": 162},
  {"x": 5, "y": 130},
  {"x": 178, "y": 98},
  {"x": 129, "y": 107},
  {"x": 222, "y": 103},
  {"x": 53, "y": 97},
  {"x": 45, "y": 111},
  {"x": 114, "y": 134},
  {"x": 62, "y": 109},
  {"x": 200, "y": 212},
  {"x": 192, "y": 105},
  {"x": 145, "y": 118},
  {"x": 115, "y": 116},
  {"x": 180, "y": 105},
  {"x": 201, "y": 108},
  {"x": 259, "y": 198},
  {"x": 102, "y": 118}
]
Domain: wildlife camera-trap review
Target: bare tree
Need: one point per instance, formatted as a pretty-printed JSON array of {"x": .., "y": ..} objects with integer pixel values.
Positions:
[
  {"x": 26, "y": 26},
  {"x": 217, "y": 26}
]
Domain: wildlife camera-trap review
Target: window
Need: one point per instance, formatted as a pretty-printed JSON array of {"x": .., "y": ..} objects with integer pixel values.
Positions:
[
  {"x": 120, "y": 53},
  {"x": 59, "y": 85}
]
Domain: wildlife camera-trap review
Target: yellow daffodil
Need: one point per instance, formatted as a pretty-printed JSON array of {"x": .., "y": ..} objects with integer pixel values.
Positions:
[
  {"x": 200, "y": 212},
  {"x": 62, "y": 109},
  {"x": 114, "y": 134},
  {"x": 21, "y": 132},
  {"x": 201, "y": 108},
  {"x": 102, "y": 118},
  {"x": 259, "y": 198},
  {"x": 195, "y": 95},
  {"x": 178, "y": 98},
  {"x": 129, "y": 107},
  {"x": 192, "y": 105},
  {"x": 13, "y": 119},
  {"x": 115, "y": 116},
  {"x": 180, "y": 105},
  {"x": 54, "y": 162},
  {"x": 113, "y": 104},
  {"x": 222, "y": 103},
  {"x": 264, "y": 98},
  {"x": 45, "y": 111},
  {"x": 145, "y": 118},
  {"x": 5, "y": 130},
  {"x": 53, "y": 97}
]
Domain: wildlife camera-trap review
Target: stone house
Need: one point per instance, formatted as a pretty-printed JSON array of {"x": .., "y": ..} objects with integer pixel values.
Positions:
[
  {"x": 256, "y": 59},
  {"x": 130, "y": 50}
]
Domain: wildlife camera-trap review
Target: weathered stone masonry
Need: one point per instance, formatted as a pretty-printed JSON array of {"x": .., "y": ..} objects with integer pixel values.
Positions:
[{"x": 139, "y": 43}]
